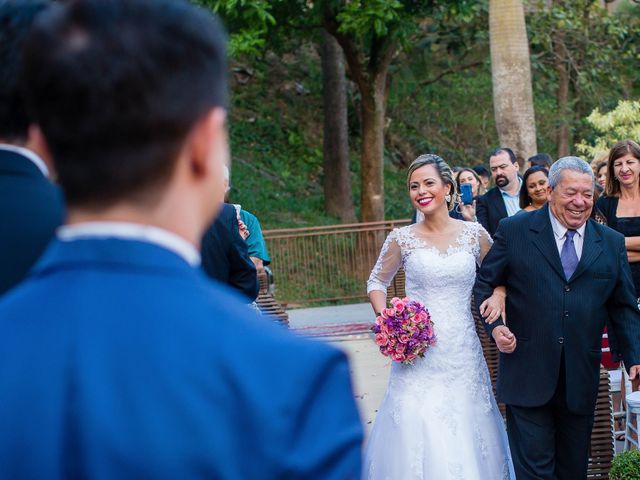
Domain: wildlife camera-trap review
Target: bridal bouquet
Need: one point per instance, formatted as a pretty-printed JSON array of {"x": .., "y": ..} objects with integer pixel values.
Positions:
[{"x": 404, "y": 331}]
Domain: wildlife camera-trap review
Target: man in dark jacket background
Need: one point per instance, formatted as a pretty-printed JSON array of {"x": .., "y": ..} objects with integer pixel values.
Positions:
[{"x": 31, "y": 207}]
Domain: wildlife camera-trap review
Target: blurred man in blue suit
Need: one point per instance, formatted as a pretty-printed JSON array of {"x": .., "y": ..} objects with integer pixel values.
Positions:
[
  {"x": 118, "y": 358},
  {"x": 31, "y": 207}
]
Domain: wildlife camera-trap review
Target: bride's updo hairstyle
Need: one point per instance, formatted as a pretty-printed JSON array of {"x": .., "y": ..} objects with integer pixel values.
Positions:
[{"x": 444, "y": 172}]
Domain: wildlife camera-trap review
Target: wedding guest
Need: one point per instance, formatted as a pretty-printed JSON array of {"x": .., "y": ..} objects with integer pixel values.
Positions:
[
  {"x": 120, "y": 359},
  {"x": 503, "y": 200},
  {"x": 483, "y": 173},
  {"x": 535, "y": 188},
  {"x": 250, "y": 230},
  {"x": 225, "y": 256},
  {"x": 256, "y": 246},
  {"x": 543, "y": 160},
  {"x": 31, "y": 206},
  {"x": 462, "y": 211},
  {"x": 621, "y": 201},
  {"x": 601, "y": 174},
  {"x": 597, "y": 159},
  {"x": 468, "y": 175}
]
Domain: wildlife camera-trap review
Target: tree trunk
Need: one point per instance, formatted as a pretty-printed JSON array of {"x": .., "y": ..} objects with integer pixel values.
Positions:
[
  {"x": 373, "y": 115},
  {"x": 338, "y": 198},
  {"x": 511, "y": 78},
  {"x": 562, "y": 94},
  {"x": 370, "y": 75}
]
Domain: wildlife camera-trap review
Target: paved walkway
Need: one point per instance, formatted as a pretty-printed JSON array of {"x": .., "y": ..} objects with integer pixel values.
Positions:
[{"x": 347, "y": 327}]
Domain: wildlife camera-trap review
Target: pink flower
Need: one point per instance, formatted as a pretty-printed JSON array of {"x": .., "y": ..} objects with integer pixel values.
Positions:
[
  {"x": 404, "y": 330},
  {"x": 398, "y": 357}
]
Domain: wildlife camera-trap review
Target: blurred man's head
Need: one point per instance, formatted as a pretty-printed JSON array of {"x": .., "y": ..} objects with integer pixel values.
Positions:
[
  {"x": 540, "y": 160},
  {"x": 504, "y": 167},
  {"x": 16, "y": 18},
  {"x": 130, "y": 97},
  {"x": 484, "y": 175}
]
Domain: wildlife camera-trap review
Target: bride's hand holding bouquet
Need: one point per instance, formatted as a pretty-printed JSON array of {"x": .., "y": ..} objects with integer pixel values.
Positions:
[{"x": 404, "y": 331}]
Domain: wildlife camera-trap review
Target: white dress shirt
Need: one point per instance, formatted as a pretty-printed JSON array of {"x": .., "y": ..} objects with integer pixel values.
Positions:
[
  {"x": 132, "y": 231},
  {"x": 560, "y": 232},
  {"x": 37, "y": 161},
  {"x": 512, "y": 202}
]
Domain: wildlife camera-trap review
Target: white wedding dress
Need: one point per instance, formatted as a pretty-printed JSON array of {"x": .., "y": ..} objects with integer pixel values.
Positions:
[{"x": 439, "y": 419}]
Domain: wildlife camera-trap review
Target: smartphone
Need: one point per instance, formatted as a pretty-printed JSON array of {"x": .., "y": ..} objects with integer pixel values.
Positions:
[{"x": 465, "y": 193}]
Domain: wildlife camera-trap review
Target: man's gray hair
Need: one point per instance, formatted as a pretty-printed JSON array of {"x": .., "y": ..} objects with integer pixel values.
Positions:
[{"x": 568, "y": 163}]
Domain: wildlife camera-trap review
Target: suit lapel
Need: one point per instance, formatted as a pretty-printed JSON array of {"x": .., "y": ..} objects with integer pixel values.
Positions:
[
  {"x": 499, "y": 203},
  {"x": 544, "y": 240},
  {"x": 591, "y": 250}
]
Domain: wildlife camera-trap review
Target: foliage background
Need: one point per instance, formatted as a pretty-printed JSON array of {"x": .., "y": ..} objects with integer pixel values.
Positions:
[{"x": 434, "y": 104}]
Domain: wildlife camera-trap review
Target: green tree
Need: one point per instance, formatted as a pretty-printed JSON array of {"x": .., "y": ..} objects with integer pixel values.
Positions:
[
  {"x": 372, "y": 33},
  {"x": 621, "y": 123},
  {"x": 588, "y": 55}
]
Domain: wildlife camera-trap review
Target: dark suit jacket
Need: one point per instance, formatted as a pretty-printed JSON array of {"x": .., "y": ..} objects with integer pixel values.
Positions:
[
  {"x": 225, "y": 256},
  {"x": 121, "y": 361},
  {"x": 31, "y": 208},
  {"x": 547, "y": 313},
  {"x": 490, "y": 209}
]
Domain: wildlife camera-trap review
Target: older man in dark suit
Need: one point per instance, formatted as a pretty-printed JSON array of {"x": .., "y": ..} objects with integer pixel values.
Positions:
[
  {"x": 566, "y": 276},
  {"x": 31, "y": 207}
]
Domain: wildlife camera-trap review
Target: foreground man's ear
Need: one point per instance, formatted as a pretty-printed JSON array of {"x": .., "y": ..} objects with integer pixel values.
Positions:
[
  {"x": 208, "y": 138},
  {"x": 38, "y": 144}
]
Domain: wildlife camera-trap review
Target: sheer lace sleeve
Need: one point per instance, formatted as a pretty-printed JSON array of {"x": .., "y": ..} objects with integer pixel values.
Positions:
[
  {"x": 387, "y": 265},
  {"x": 484, "y": 244}
]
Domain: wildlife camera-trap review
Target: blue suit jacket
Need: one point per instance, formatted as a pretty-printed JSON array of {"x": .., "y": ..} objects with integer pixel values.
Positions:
[
  {"x": 31, "y": 208},
  {"x": 120, "y": 361}
]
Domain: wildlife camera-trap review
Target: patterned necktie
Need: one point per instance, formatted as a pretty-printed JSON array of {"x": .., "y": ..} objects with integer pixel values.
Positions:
[{"x": 568, "y": 255}]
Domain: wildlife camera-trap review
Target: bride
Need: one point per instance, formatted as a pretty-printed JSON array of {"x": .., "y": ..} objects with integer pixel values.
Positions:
[{"x": 439, "y": 419}]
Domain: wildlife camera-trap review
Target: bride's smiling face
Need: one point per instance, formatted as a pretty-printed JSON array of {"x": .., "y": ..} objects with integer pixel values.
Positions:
[{"x": 427, "y": 190}]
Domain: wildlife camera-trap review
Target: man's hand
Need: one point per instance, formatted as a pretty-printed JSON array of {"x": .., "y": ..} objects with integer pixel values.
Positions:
[
  {"x": 634, "y": 376},
  {"x": 505, "y": 340}
]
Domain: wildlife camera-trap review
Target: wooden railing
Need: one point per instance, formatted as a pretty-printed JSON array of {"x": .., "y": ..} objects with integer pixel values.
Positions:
[{"x": 325, "y": 264}]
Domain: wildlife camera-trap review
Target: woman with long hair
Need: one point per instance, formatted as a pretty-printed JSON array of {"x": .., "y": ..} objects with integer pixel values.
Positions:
[
  {"x": 621, "y": 201},
  {"x": 534, "y": 191}
]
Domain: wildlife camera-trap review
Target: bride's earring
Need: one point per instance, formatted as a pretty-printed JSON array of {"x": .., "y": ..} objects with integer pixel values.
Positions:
[{"x": 447, "y": 198}]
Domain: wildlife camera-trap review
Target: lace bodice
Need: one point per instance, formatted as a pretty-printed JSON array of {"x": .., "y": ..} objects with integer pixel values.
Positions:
[{"x": 406, "y": 247}]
